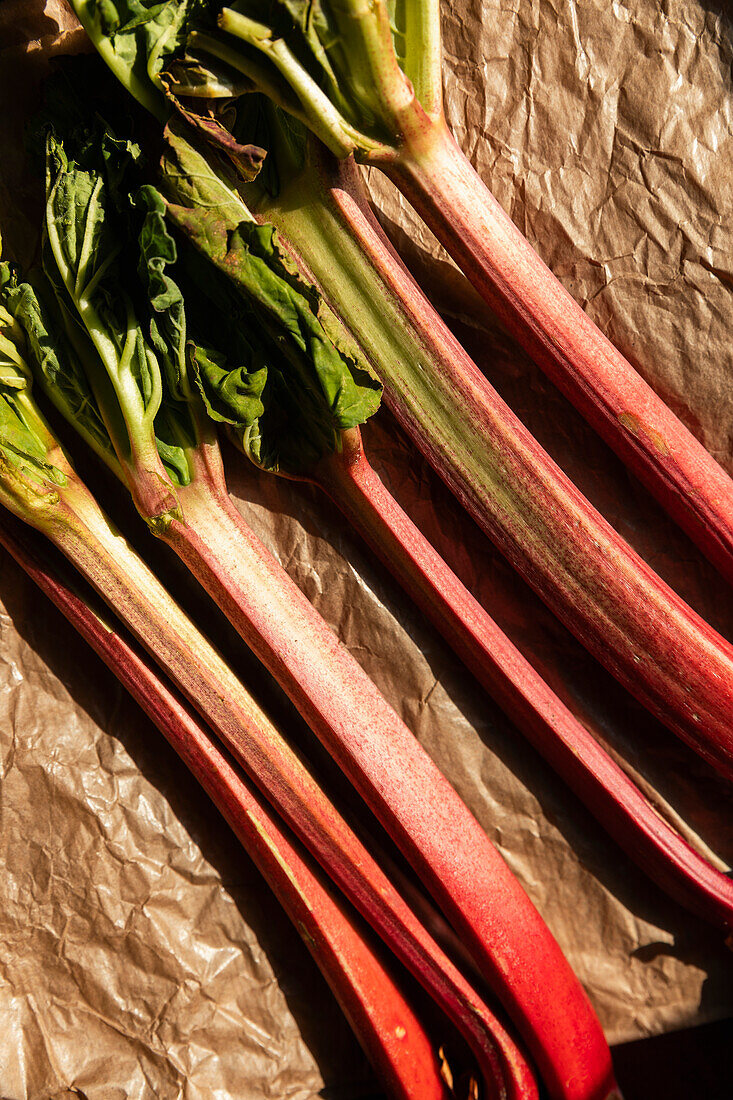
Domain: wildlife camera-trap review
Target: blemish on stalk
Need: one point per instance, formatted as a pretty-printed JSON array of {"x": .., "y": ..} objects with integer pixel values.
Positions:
[
  {"x": 306, "y": 934},
  {"x": 637, "y": 428},
  {"x": 659, "y": 441},
  {"x": 445, "y": 1070},
  {"x": 159, "y": 524}
]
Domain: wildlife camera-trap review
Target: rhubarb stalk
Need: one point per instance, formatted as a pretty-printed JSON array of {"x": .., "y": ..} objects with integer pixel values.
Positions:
[
  {"x": 391, "y": 1034},
  {"x": 660, "y": 650},
  {"x": 575, "y": 355},
  {"x": 664, "y": 653},
  {"x": 38, "y": 484}
]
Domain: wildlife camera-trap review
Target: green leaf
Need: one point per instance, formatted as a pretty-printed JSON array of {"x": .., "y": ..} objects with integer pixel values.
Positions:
[
  {"x": 232, "y": 395},
  {"x": 53, "y": 361},
  {"x": 198, "y": 181},
  {"x": 143, "y": 44},
  {"x": 84, "y": 259},
  {"x": 279, "y": 343},
  {"x": 105, "y": 257},
  {"x": 175, "y": 437},
  {"x": 168, "y": 320},
  {"x": 175, "y": 432},
  {"x": 24, "y": 452},
  {"x": 136, "y": 38}
]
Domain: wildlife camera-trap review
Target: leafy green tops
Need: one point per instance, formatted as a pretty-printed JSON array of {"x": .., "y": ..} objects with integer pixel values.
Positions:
[
  {"x": 290, "y": 382},
  {"x": 32, "y": 466},
  {"x": 129, "y": 355},
  {"x": 357, "y": 72},
  {"x": 168, "y": 311}
]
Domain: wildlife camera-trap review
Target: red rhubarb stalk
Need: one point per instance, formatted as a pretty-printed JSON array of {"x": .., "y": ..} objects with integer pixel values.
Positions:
[
  {"x": 633, "y": 623},
  {"x": 610, "y": 795},
  {"x": 575, "y": 355},
  {"x": 145, "y": 395},
  {"x": 229, "y": 710},
  {"x": 344, "y": 472},
  {"x": 381, "y": 1017},
  {"x": 420, "y": 810},
  {"x": 340, "y": 74}
]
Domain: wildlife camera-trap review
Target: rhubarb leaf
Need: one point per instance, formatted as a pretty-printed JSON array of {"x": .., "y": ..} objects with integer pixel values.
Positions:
[
  {"x": 232, "y": 395},
  {"x": 334, "y": 65},
  {"x": 84, "y": 260},
  {"x": 22, "y": 449},
  {"x": 194, "y": 180},
  {"x": 97, "y": 245},
  {"x": 175, "y": 429},
  {"x": 26, "y": 474},
  {"x": 135, "y": 38},
  {"x": 168, "y": 319},
  {"x": 53, "y": 360},
  {"x": 316, "y": 386}
]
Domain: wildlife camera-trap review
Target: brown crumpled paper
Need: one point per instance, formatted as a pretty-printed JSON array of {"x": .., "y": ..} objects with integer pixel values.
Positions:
[{"x": 140, "y": 954}]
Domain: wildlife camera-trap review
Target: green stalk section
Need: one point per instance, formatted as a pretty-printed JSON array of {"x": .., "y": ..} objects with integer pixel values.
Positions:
[
  {"x": 423, "y": 54},
  {"x": 661, "y": 651}
]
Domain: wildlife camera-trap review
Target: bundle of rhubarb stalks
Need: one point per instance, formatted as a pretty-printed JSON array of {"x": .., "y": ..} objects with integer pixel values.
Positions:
[{"x": 209, "y": 301}]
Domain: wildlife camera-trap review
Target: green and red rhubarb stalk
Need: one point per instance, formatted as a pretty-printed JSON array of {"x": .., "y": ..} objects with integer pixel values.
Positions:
[
  {"x": 39, "y": 485},
  {"x": 573, "y": 752},
  {"x": 655, "y": 645},
  {"x": 620, "y": 610},
  {"x": 385, "y": 1023}
]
